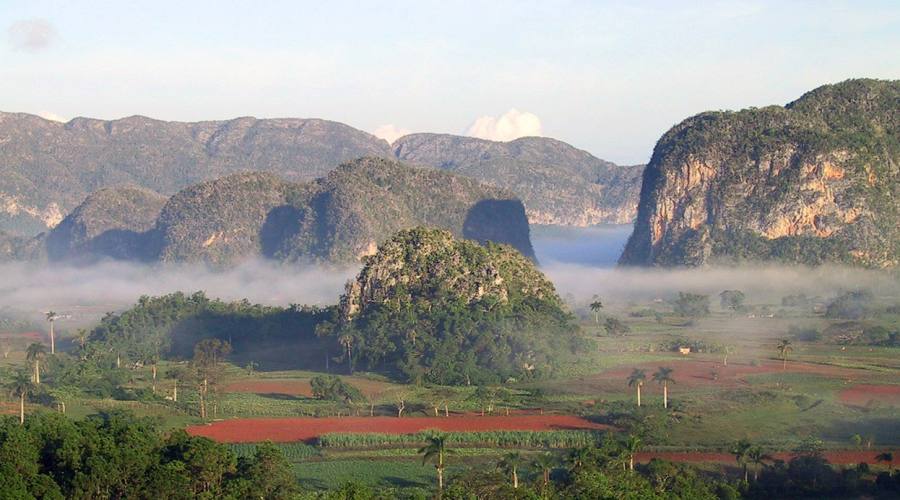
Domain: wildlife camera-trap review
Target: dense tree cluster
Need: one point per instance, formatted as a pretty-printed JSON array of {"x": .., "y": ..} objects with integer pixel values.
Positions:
[
  {"x": 431, "y": 308},
  {"x": 170, "y": 326},
  {"x": 117, "y": 456}
]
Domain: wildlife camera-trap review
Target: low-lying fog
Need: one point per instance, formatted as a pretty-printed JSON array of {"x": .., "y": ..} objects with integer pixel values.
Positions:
[{"x": 579, "y": 261}]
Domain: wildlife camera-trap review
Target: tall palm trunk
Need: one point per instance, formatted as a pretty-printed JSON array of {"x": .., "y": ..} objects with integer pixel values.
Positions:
[
  {"x": 631, "y": 462},
  {"x": 515, "y": 478},
  {"x": 52, "y": 340},
  {"x": 37, "y": 372},
  {"x": 665, "y": 395},
  {"x": 22, "y": 409},
  {"x": 639, "y": 394}
]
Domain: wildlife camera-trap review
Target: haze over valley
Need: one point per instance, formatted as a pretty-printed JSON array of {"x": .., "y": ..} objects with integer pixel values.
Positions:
[{"x": 436, "y": 250}]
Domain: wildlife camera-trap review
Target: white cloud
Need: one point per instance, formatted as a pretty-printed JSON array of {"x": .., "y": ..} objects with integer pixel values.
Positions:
[
  {"x": 49, "y": 115},
  {"x": 508, "y": 126},
  {"x": 390, "y": 132},
  {"x": 31, "y": 35}
]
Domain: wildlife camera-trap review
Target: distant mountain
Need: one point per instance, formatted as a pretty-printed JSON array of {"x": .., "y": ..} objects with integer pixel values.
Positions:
[
  {"x": 335, "y": 219},
  {"x": 815, "y": 181},
  {"x": 47, "y": 168},
  {"x": 108, "y": 223},
  {"x": 558, "y": 183}
]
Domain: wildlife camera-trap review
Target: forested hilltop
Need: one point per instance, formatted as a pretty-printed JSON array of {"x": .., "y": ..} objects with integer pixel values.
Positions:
[
  {"x": 558, "y": 183},
  {"x": 431, "y": 307},
  {"x": 47, "y": 167},
  {"x": 335, "y": 219},
  {"x": 815, "y": 181}
]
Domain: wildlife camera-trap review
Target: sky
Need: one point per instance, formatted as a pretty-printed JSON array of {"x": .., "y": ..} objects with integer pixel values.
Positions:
[{"x": 607, "y": 77}]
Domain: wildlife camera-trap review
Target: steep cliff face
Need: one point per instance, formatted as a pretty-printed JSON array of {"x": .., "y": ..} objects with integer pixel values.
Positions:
[
  {"x": 816, "y": 181},
  {"x": 47, "y": 168},
  {"x": 337, "y": 219},
  {"x": 109, "y": 223},
  {"x": 558, "y": 183}
]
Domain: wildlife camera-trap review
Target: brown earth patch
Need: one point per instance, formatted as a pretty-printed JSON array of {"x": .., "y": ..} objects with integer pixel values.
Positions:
[{"x": 868, "y": 394}]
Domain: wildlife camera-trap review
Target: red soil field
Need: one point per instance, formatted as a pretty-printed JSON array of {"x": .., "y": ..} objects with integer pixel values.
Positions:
[
  {"x": 252, "y": 430},
  {"x": 840, "y": 457},
  {"x": 697, "y": 372},
  {"x": 864, "y": 395}
]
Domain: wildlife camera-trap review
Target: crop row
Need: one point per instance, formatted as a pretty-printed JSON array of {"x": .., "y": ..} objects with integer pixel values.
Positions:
[{"x": 525, "y": 439}]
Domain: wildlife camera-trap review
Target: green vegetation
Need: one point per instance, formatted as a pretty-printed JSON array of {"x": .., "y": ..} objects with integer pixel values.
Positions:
[
  {"x": 431, "y": 308},
  {"x": 117, "y": 456}
]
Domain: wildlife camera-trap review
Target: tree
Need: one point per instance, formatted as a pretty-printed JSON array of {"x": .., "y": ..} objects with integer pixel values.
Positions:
[
  {"x": 208, "y": 355},
  {"x": 758, "y": 457},
  {"x": 727, "y": 350},
  {"x": 486, "y": 397},
  {"x": 857, "y": 440},
  {"x": 732, "y": 299},
  {"x": 741, "y": 451},
  {"x": 52, "y": 317},
  {"x": 631, "y": 446},
  {"x": 544, "y": 462},
  {"x": 636, "y": 379},
  {"x": 36, "y": 353},
  {"x": 596, "y": 306},
  {"x": 784, "y": 348},
  {"x": 886, "y": 457},
  {"x": 346, "y": 340},
  {"x": 692, "y": 305},
  {"x": 20, "y": 386},
  {"x": 434, "y": 451},
  {"x": 510, "y": 464},
  {"x": 615, "y": 327},
  {"x": 663, "y": 376}
]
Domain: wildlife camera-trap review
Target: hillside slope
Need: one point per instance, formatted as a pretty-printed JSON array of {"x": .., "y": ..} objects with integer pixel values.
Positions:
[
  {"x": 815, "y": 181},
  {"x": 47, "y": 168},
  {"x": 558, "y": 183},
  {"x": 428, "y": 306},
  {"x": 335, "y": 219}
]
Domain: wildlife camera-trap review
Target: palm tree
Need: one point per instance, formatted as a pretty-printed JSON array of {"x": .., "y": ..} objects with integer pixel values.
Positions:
[
  {"x": 435, "y": 451},
  {"x": 664, "y": 376},
  {"x": 741, "y": 451},
  {"x": 20, "y": 386},
  {"x": 510, "y": 464},
  {"x": 51, "y": 317},
  {"x": 347, "y": 342},
  {"x": 544, "y": 463},
  {"x": 636, "y": 379},
  {"x": 595, "y": 306},
  {"x": 886, "y": 457},
  {"x": 758, "y": 457},
  {"x": 784, "y": 347},
  {"x": 631, "y": 446},
  {"x": 35, "y": 353}
]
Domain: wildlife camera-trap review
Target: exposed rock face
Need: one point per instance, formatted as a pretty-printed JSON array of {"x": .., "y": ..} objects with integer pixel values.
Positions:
[
  {"x": 558, "y": 183},
  {"x": 816, "y": 181},
  {"x": 109, "y": 223},
  {"x": 337, "y": 219},
  {"x": 420, "y": 262},
  {"x": 47, "y": 168}
]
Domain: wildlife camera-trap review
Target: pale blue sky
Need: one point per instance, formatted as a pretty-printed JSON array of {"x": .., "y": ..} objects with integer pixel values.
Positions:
[{"x": 609, "y": 77}]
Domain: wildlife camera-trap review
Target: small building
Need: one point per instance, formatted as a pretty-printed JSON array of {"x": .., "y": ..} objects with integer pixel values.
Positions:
[{"x": 684, "y": 350}]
